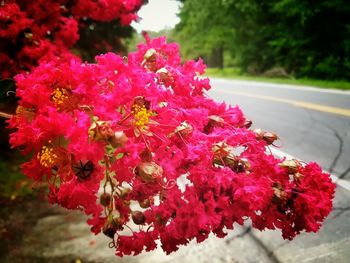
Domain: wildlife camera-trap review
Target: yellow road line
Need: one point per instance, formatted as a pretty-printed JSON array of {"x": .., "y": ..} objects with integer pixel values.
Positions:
[{"x": 301, "y": 104}]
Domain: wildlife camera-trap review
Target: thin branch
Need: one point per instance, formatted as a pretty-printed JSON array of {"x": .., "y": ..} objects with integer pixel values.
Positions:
[{"x": 5, "y": 115}]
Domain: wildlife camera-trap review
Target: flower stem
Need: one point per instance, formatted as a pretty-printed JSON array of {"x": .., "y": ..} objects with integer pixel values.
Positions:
[{"x": 5, "y": 115}]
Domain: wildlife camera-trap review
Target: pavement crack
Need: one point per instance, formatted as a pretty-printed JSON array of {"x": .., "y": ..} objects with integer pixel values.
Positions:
[
  {"x": 245, "y": 231},
  {"x": 269, "y": 253},
  {"x": 340, "y": 150},
  {"x": 345, "y": 173}
]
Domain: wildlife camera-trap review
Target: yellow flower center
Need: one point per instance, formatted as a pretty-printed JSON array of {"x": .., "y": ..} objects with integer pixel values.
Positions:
[
  {"x": 141, "y": 115},
  {"x": 59, "y": 96},
  {"x": 20, "y": 110},
  {"x": 47, "y": 157},
  {"x": 27, "y": 113}
]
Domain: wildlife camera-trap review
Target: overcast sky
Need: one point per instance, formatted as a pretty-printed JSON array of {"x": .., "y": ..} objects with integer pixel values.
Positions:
[{"x": 157, "y": 15}]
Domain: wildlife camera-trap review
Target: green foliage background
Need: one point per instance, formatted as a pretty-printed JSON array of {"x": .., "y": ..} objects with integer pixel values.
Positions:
[{"x": 307, "y": 38}]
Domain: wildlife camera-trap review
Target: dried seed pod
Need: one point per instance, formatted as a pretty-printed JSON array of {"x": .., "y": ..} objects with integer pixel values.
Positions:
[
  {"x": 163, "y": 195},
  {"x": 235, "y": 163},
  {"x": 216, "y": 120},
  {"x": 83, "y": 170},
  {"x": 184, "y": 129},
  {"x": 291, "y": 165},
  {"x": 247, "y": 124},
  {"x": 109, "y": 229},
  {"x": 221, "y": 150},
  {"x": 268, "y": 137},
  {"x": 100, "y": 130},
  {"x": 259, "y": 134},
  {"x": 240, "y": 165},
  {"x": 149, "y": 171},
  {"x": 138, "y": 217},
  {"x": 124, "y": 192},
  {"x": 118, "y": 223},
  {"x": 279, "y": 195},
  {"x": 213, "y": 121},
  {"x": 105, "y": 199},
  {"x": 298, "y": 177},
  {"x": 27, "y": 113},
  {"x": 146, "y": 155},
  {"x": 141, "y": 102}
]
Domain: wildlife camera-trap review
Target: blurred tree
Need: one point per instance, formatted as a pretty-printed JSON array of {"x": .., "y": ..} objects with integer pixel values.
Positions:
[
  {"x": 313, "y": 37},
  {"x": 205, "y": 30},
  {"x": 101, "y": 37},
  {"x": 306, "y": 37}
]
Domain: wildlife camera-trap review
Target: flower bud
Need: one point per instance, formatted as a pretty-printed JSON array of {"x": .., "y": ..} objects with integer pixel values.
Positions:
[
  {"x": 138, "y": 217},
  {"x": 149, "y": 171},
  {"x": 105, "y": 199},
  {"x": 150, "y": 55},
  {"x": 119, "y": 139},
  {"x": 160, "y": 220},
  {"x": 164, "y": 75},
  {"x": 147, "y": 202},
  {"x": 150, "y": 60}
]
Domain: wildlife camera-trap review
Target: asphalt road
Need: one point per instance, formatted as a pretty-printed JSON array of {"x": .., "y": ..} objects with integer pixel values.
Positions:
[{"x": 313, "y": 124}]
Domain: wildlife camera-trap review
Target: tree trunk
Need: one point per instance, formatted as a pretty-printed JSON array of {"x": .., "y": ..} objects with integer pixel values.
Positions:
[{"x": 216, "y": 59}]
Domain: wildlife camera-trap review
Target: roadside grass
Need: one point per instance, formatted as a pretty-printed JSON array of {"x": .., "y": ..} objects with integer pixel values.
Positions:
[{"x": 234, "y": 73}]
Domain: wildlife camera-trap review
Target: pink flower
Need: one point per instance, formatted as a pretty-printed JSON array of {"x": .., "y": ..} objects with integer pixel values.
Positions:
[{"x": 172, "y": 164}]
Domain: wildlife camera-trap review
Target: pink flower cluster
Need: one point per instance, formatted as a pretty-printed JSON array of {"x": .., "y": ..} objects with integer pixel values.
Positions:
[
  {"x": 32, "y": 31},
  {"x": 136, "y": 144}
]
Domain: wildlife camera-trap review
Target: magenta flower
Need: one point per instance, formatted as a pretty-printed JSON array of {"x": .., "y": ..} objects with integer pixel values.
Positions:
[{"x": 138, "y": 146}]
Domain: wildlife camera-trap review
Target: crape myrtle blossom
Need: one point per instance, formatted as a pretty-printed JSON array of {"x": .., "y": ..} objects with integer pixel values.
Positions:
[{"x": 137, "y": 127}]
